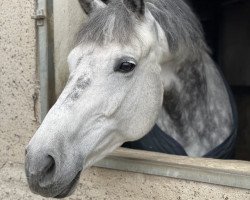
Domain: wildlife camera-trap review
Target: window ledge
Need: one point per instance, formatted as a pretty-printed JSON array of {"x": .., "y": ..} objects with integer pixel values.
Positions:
[{"x": 231, "y": 173}]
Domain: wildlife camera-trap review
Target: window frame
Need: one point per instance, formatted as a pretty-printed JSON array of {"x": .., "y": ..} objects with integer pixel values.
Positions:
[{"x": 232, "y": 173}]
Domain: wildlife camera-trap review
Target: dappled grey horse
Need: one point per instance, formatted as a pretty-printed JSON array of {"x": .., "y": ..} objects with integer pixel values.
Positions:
[{"x": 136, "y": 65}]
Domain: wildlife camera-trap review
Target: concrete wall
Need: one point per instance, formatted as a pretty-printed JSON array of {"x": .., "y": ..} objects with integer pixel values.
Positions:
[
  {"x": 19, "y": 119},
  {"x": 18, "y": 78}
]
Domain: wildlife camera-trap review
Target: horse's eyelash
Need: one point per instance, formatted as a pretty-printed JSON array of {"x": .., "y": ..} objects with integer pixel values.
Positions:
[{"x": 118, "y": 62}]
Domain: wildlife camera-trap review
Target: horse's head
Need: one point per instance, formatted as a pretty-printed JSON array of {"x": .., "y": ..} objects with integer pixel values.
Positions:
[{"x": 113, "y": 95}]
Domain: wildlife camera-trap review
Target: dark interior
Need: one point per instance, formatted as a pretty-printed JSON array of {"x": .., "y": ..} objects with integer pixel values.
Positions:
[{"x": 226, "y": 25}]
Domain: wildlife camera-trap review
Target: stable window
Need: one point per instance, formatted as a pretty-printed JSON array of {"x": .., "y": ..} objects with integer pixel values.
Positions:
[{"x": 227, "y": 30}]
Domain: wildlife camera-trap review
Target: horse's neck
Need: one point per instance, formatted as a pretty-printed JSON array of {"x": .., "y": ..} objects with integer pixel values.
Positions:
[{"x": 196, "y": 109}]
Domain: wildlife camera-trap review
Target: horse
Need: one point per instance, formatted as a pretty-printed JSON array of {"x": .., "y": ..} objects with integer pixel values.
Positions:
[{"x": 136, "y": 63}]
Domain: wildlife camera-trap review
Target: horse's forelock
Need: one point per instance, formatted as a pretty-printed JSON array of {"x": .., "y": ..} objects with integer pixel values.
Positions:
[{"x": 112, "y": 23}]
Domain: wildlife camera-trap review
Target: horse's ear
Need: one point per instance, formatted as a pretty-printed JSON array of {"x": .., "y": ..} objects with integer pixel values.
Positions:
[
  {"x": 136, "y": 6},
  {"x": 91, "y": 5}
]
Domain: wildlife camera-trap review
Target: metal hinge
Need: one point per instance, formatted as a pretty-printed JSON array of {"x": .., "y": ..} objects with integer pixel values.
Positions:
[{"x": 39, "y": 17}]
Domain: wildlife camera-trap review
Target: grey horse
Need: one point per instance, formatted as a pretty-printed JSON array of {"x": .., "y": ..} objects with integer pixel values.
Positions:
[{"x": 136, "y": 63}]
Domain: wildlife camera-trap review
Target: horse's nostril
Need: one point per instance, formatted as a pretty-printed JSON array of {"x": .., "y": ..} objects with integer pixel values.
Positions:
[
  {"x": 50, "y": 166},
  {"x": 45, "y": 177}
]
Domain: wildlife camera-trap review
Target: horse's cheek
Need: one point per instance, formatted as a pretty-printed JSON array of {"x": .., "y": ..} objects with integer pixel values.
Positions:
[{"x": 145, "y": 108}]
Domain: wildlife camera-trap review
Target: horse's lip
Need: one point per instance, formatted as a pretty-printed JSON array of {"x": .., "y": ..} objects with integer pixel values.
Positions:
[{"x": 70, "y": 188}]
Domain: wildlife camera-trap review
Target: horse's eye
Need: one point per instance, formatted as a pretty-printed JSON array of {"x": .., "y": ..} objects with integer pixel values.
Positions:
[{"x": 125, "y": 67}]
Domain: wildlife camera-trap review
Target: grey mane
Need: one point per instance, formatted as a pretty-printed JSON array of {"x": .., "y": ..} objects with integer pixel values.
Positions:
[{"x": 182, "y": 29}]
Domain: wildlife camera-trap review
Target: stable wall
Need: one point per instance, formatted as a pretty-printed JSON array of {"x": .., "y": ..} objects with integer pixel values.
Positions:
[{"x": 19, "y": 118}]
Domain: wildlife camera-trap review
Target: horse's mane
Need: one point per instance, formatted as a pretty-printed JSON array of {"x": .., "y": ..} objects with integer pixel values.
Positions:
[
  {"x": 114, "y": 23},
  {"x": 182, "y": 28}
]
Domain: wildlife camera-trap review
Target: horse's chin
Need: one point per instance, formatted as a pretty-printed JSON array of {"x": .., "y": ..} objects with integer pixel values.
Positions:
[{"x": 69, "y": 189}]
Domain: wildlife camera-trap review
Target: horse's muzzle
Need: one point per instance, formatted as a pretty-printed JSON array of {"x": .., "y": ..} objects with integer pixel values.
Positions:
[
  {"x": 40, "y": 171},
  {"x": 43, "y": 174}
]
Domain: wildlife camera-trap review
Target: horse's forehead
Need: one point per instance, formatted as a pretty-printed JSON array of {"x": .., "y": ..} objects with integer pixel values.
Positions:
[
  {"x": 143, "y": 37},
  {"x": 102, "y": 53},
  {"x": 80, "y": 51}
]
